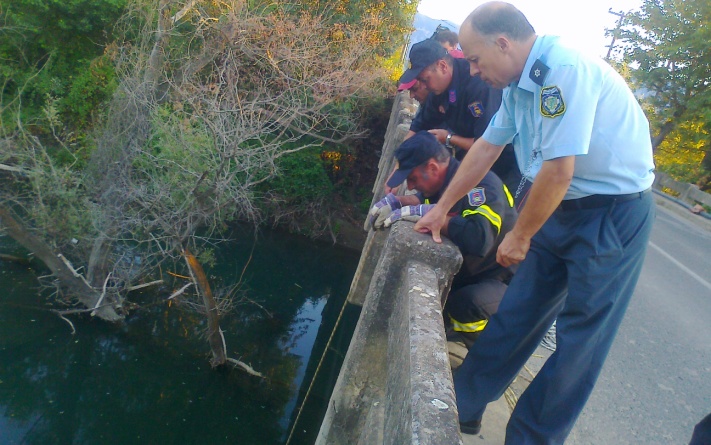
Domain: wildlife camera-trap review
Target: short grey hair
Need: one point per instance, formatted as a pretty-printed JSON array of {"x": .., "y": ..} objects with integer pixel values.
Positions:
[{"x": 493, "y": 18}]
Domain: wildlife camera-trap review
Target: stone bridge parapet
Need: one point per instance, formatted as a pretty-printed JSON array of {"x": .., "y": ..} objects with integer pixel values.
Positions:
[{"x": 395, "y": 384}]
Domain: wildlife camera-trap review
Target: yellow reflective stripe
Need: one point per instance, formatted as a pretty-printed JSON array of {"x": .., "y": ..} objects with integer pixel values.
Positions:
[
  {"x": 485, "y": 211},
  {"x": 508, "y": 196},
  {"x": 468, "y": 327},
  {"x": 427, "y": 200}
]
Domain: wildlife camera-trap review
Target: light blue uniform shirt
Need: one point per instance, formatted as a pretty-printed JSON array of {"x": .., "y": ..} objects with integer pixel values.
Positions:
[{"x": 576, "y": 106}]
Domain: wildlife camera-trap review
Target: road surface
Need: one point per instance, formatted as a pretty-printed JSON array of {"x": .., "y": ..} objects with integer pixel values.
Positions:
[{"x": 656, "y": 383}]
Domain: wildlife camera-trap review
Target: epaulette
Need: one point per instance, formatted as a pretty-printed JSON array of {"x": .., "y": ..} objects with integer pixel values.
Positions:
[{"x": 538, "y": 73}]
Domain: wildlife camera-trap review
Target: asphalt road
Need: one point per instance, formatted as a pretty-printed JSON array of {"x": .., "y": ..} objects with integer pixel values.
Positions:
[{"x": 656, "y": 383}]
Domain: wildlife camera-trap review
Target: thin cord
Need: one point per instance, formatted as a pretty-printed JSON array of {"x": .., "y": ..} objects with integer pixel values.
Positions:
[{"x": 313, "y": 379}]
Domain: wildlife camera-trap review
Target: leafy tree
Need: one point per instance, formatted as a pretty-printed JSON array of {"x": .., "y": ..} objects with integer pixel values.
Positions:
[
  {"x": 212, "y": 101},
  {"x": 60, "y": 36},
  {"x": 666, "y": 43}
]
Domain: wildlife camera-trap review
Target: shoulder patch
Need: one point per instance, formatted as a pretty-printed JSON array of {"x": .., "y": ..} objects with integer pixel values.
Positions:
[
  {"x": 476, "y": 196},
  {"x": 476, "y": 108},
  {"x": 552, "y": 104},
  {"x": 538, "y": 73}
]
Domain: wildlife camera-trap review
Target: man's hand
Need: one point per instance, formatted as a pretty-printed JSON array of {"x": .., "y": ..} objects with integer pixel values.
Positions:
[
  {"x": 389, "y": 190},
  {"x": 440, "y": 134},
  {"x": 381, "y": 210},
  {"x": 409, "y": 213},
  {"x": 513, "y": 249},
  {"x": 432, "y": 222}
]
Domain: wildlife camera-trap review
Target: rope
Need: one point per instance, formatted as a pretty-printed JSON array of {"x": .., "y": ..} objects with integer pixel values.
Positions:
[{"x": 313, "y": 379}]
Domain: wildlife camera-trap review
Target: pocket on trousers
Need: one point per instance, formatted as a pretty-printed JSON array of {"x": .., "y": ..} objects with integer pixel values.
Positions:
[{"x": 609, "y": 243}]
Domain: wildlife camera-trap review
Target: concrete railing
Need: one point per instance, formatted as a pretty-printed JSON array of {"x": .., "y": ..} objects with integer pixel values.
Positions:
[
  {"x": 395, "y": 384},
  {"x": 689, "y": 194}
]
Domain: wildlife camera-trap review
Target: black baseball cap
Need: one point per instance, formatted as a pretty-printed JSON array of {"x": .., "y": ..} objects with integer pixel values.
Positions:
[
  {"x": 415, "y": 151},
  {"x": 422, "y": 55}
]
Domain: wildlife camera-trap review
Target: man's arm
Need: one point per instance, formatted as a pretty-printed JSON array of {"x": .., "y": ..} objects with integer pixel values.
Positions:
[
  {"x": 476, "y": 163},
  {"x": 548, "y": 189},
  {"x": 456, "y": 140}
]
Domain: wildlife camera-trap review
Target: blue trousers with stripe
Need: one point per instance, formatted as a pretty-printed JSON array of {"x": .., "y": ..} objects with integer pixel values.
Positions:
[{"x": 582, "y": 269}]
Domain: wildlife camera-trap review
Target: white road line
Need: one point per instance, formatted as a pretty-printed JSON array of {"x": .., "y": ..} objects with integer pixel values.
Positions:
[{"x": 681, "y": 266}]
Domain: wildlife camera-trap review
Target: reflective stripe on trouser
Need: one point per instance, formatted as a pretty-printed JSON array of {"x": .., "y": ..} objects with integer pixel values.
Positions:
[
  {"x": 469, "y": 307},
  {"x": 596, "y": 256},
  {"x": 467, "y": 327}
]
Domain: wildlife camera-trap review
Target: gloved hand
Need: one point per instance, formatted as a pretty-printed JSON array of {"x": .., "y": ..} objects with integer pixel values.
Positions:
[
  {"x": 380, "y": 211},
  {"x": 408, "y": 213}
]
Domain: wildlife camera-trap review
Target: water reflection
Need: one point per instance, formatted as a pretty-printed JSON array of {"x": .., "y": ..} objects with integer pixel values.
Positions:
[{"x": 149, "y": 380}]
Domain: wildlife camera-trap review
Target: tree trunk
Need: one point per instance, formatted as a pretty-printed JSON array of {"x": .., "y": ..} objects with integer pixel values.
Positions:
[
  {"x": 214, "y": 334},
  {"x": 74, "y": 285},
  {"x": 706, "y": 161},
  {"x": 155, "y": 60},
  {"x": 664, "y": 131},
  {"x": 98, "y": 262}
]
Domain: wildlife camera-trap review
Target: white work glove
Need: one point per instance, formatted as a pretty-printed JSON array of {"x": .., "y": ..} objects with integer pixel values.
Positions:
[
  {"x": 408, "y": 213},
  {"x": 380, "y": 211}
]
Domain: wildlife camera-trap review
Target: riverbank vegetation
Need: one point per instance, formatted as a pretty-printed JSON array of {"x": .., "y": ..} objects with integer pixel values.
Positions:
[{"x": 134, "y": 132}]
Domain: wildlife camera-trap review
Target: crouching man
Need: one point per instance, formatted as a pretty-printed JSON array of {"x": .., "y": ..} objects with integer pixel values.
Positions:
[{"x": 476, "y": 224}]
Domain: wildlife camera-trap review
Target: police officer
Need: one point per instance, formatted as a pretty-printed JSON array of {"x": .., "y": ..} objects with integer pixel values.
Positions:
[
  {"x": 476, "y": 223},
  {"x": 458, "y": 107},
  {"x": 462, "y": 103},
  {"x": 582, "y": 138},
  {"x": 416, "y": 89}
]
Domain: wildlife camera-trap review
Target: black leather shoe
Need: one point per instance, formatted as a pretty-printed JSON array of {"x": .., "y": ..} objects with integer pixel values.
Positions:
[{"x": 471, "y": 427}]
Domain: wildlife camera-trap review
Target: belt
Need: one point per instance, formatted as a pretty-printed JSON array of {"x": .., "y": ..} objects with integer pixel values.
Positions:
[{"x": 596, "y": 201}]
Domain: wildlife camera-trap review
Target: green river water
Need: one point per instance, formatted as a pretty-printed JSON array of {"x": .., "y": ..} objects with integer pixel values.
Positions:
[{"x": 149, "y": 381}]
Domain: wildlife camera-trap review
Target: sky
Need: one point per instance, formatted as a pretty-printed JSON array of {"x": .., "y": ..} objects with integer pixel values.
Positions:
[{"x": 581, "y": 23}]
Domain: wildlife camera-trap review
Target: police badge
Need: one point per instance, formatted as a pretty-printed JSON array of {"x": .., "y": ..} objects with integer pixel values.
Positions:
[
  {"x": 476, "y": 108},
  {"x": 476, "y": 196},
  {"x": 552, "y": 104}
]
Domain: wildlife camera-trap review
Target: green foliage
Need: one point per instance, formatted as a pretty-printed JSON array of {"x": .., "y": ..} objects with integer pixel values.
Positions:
[
  {"x": 391, "y": 20},
  {"x": 242, "y": 100},
  {"x": 177, "y": 154},
  {"x": 74, "y": 30},
  {"x": 301, "y": 177},
  {"x": 50, "y": 197},
  {"x": 47, "y": 47},
  {"x": 667, "y": 43},
  {"x": 89, "y": 90},
  {"x": 60, "y": 209},
  {"x": 207, "y": 258},
  {"x": 681, "y": 153}
]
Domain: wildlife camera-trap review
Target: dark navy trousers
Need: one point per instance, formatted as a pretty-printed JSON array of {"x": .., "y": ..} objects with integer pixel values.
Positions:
[{"x": 581, "y": 269}]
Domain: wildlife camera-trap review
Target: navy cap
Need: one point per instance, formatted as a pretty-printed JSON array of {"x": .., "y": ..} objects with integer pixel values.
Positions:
[
  {"x": 415, "y": 151},
  {"x": 422, "y": 55}
]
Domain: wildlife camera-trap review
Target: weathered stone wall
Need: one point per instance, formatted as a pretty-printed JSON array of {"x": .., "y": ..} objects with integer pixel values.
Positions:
[
  {"x": 395, "y": 385},
  {"x": 688, "y": 193}
]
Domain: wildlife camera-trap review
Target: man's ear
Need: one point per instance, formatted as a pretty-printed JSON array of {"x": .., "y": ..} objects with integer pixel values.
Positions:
[
  {"x": 502, "y": 43},
  {"x": 442, "y": 65}
]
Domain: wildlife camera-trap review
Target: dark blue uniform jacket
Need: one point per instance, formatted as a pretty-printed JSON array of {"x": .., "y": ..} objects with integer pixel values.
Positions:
[
  {"x": 479, "y": 222},
  {"x": 464, "y": 109}
]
